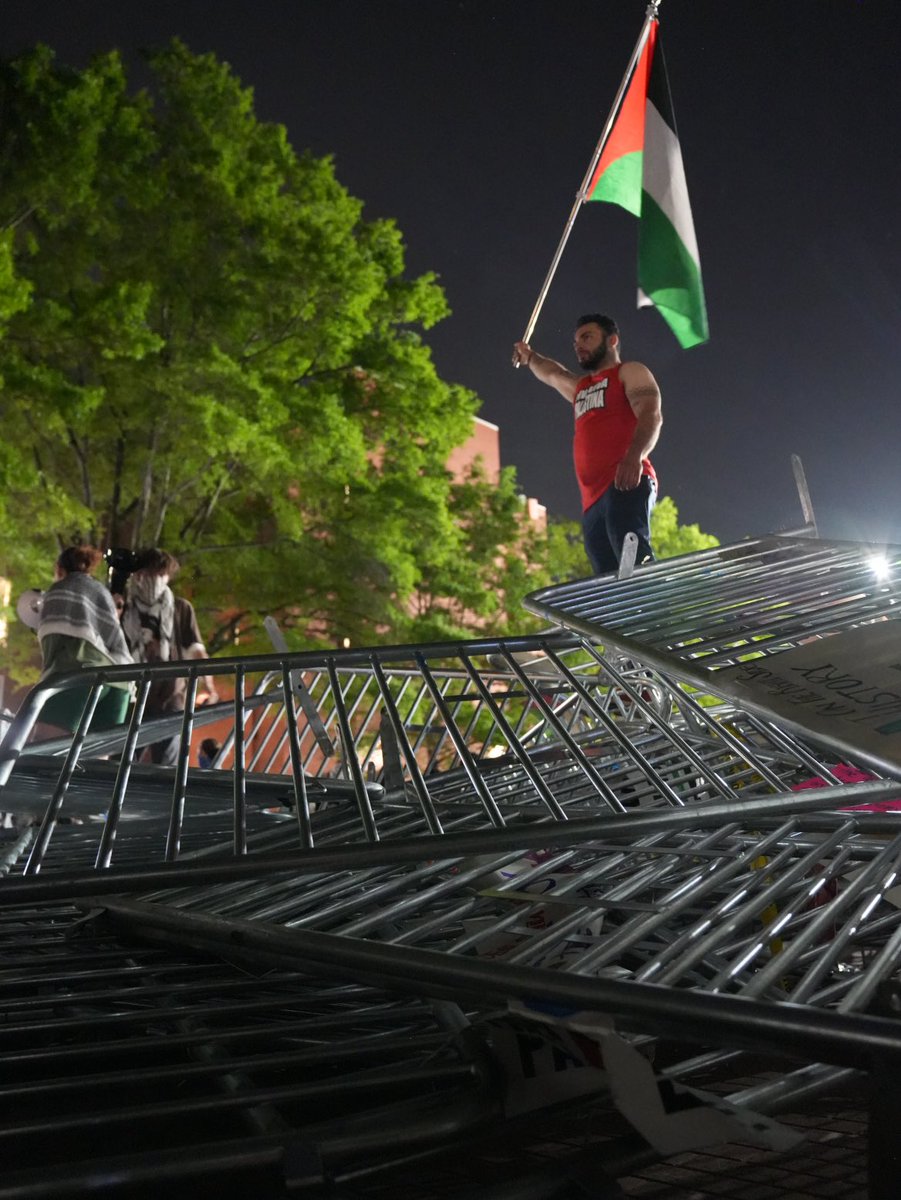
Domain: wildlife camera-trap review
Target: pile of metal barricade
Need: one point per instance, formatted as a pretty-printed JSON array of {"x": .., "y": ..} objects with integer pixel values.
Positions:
[{"x": 430, "y": 898}]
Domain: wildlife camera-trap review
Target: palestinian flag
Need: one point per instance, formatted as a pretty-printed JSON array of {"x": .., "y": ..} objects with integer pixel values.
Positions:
[{"x": 640, "y": 169}]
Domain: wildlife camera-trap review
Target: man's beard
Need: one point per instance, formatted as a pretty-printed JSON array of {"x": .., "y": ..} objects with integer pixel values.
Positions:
[{"x": 592, "y": 364}]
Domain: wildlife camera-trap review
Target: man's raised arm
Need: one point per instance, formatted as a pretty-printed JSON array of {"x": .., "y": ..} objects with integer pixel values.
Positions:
[{"x": 548, "y": 370}]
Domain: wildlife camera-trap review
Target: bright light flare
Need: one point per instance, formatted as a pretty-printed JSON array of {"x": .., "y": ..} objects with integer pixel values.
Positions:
[{"x": 879, "y": 565}]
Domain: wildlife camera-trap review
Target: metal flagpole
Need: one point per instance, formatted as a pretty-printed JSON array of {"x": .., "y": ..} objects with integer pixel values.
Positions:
[{"x": 650, "y": 15}]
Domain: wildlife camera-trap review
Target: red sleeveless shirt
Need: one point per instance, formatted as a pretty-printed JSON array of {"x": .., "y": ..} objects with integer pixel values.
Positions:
[{"x": 604, "y": 427}]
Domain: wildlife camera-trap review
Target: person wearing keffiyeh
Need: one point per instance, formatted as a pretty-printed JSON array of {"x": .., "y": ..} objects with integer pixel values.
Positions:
[
  {"x": 162, "y": 627},
  {"x": 79, "y": 627}
]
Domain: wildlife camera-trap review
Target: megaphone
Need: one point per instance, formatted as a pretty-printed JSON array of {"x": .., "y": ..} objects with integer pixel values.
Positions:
[{"x": 28, "y": 606}]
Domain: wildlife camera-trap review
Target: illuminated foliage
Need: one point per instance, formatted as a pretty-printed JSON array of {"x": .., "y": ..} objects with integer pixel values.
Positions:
[
  {"x": 208, "y": 348},
  {"x": 669, "y": 538}
]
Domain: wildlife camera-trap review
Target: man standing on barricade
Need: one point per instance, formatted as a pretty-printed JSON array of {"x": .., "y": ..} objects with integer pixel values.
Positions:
[{"x": 617, "y": 413}]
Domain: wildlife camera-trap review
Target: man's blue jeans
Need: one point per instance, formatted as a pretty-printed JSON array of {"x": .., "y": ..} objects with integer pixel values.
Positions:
[{"x": 606, "y": 523}]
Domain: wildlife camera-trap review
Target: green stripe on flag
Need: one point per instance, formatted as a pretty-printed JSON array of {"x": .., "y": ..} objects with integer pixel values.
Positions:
[
  {"x": 670, "y": 276},
  {"x": 621, "y": 183}
]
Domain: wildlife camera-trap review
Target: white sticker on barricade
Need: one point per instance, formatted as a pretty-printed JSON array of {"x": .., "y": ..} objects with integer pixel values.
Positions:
[
  {"x": 540, "y": 1072},
  {"x": 671, "y": 1116},
  {"x": 643, "y": 1100},
  {"x": 847, "y": 686},
  {"x": 547, "y": 898}
]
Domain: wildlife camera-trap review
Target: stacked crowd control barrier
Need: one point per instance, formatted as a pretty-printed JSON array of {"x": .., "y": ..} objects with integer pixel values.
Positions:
[{"x": 411, "y": 868}]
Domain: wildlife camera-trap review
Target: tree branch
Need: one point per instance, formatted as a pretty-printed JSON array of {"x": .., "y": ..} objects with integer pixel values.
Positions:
[
  {"x": 146, "y": 492},
  {"x": 81, "y": 455}
]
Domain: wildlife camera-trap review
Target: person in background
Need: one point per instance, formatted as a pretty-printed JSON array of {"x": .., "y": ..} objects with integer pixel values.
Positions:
[
  {"x": 207, "y": 753},
  {"x": 79, "y": 627},
  {"x": 162, "y": 627}
]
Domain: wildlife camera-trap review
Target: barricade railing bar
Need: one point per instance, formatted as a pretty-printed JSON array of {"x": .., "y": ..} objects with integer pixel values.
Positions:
[
  {"x": 707, "y": 609},
  {"x": 125, "y": 1065},
  {"x": 427, "y": 740}
]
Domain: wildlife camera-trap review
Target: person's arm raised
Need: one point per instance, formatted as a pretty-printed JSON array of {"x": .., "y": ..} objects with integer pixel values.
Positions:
[{"x": 547, "y": 370}]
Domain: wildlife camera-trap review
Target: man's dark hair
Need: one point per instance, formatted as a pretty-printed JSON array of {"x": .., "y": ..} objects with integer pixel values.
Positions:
[
  {"x": 153, "y": 559},
  {"x": 606, "y": 323}
]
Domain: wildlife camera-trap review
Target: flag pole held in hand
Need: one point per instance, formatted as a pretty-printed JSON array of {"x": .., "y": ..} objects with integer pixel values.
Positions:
[{"x": 650, "y": 17}]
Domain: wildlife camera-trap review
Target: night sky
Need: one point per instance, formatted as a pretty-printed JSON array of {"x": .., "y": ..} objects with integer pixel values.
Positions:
[{"x": 471, "y": 122}]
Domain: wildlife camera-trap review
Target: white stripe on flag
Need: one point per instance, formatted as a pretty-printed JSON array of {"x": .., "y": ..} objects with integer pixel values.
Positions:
[{"x": 664, "y": 177}]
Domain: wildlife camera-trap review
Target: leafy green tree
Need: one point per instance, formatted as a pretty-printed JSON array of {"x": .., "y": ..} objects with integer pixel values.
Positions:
[
  {"x": 208, "y": 348},
  {"x": 467, "y": 569},
  {"x": 669, "y": 538}
]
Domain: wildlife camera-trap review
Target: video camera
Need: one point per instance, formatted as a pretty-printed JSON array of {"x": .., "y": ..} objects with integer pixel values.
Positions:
[{"x": 120, "y": 563}]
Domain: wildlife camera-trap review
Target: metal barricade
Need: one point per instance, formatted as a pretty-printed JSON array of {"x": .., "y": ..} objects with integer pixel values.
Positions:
[
  {"x": 127, "y": 1067},
  {"x": 585, "y": 818},
  {"x": 798, "y": 630},
  {"x": 426, "y": 741}
]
